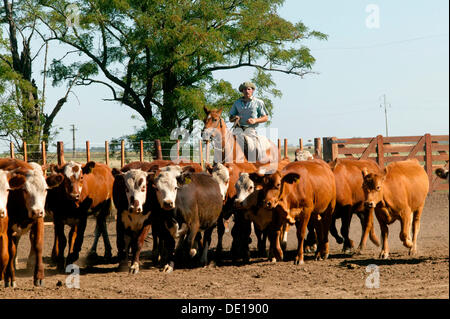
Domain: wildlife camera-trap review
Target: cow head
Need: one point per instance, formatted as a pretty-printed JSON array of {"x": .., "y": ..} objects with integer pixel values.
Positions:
[
  {"x": 34, "y": 189},
  {"x": 245, "y": 186},
  {"x": 373, "y": 187},
  {"x": 73, "y": 178},
  {"x": 134, "y": 182},
  {"x": 167, "y": 183},
  {"x": 442, "y": 173},
  {"x": 273, "y": 187},
  {"x": 222, "y": 176},
  {"x": 8, "y": 181}
]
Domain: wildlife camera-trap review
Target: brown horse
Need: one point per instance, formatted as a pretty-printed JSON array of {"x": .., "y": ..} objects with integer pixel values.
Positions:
[{"x": 225, "y": 142}]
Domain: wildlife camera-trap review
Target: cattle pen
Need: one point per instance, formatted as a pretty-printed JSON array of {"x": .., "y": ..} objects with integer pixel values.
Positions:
[{"x": 432, "y": 151}]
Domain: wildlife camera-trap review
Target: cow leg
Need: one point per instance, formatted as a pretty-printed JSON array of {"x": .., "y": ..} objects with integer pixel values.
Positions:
[
  {"x": 37, "y": 245},
  {"x": 32, "y": 255},
  {"x": 310, "y": 243},
  {"x": 4, "y": 258},
  {"x": 220, "y": 233},
  {"x": 284, "y": 233},
  {"x": 346, "y": 219},
  {"x": 74, "y": 254},
  {"x": 97, "y": 232},
  {"x": 366, "y": 219},
  {"x": 137, "y": 245},
  {"x": 275, "y": 248},
  {"x": 122, "y": 247},
  {"x": 59, "y": 245},
  {"x": 383, "y": 217},
  {"x": 334, "y": 231},
  {"x": 324, "y": 223},
  {"x": 10, "y": 276},
  {"x": 301, "y": 225},
  {"x": 261, "y": 237},
  {"x": 415, "y": 230},
  {"x": 206, "y": 242},
  {"x": 55, "y": 249},
  {"x": 405, "y": 232}
]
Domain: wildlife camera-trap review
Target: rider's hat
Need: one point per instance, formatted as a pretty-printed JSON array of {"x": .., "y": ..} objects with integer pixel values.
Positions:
[{"x": 245, "y": 85}]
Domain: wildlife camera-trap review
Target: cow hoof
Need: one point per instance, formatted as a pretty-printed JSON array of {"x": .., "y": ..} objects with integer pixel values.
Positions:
[
  {"x": 339, "y": 240},
  {"x": 298, "y": 262},
  {"x": 384, "y": 255},
  {"x": 39, "y": 282},
  {"x": 193, "y": 252},
  {"x": 11, "y": 284},
  {"x": 273, "y": 260},
  {"x": 134, "y": 269},
  {"x": 167, "y": 269}
]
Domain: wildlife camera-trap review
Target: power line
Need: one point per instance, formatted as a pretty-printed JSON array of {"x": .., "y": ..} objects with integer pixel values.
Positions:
[{"x": 385, "y": 112}]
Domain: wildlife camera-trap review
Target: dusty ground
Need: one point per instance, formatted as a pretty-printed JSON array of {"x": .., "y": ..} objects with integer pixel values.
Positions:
[{"x": 341, "y": 276}]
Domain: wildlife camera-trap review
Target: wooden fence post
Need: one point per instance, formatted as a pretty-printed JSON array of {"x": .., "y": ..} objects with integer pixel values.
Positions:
[
  {"x": 122, "y": 153},
  {"x": 279, "y": 146},
  {"x": 207, "y": 152},
  {"x": 88, "y": 151},
  {"x": 106, "y": 153},
  {"x": 141, "y": 150},
  {"x": 317, "y": 147},
  {"x": 60, "y": 153},
  {"x": 11, "y": 149},
  {"x": 428, "y": 157},
  {"x": 285, "y": 147},
  {"x": 44, "y": 156},
  {"x": 380, "y": 151},
  {"x": 300, "y": 143},
  {"x": 158, "y": 150},
  {"x": 25, "y": 155},
  {"x": 178, "y": 150},
  {"x": 200, "y": 148}
]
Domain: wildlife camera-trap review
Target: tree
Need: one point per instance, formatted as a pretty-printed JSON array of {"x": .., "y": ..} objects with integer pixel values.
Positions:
[
  {"x": 22, "y": 116},
  {"x": 158, "y": 57}
]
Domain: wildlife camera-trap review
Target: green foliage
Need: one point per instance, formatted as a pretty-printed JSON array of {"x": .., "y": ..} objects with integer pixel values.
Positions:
[{"x": 159, "y": 56}]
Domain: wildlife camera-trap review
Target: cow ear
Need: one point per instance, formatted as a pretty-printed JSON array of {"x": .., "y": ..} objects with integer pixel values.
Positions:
[
  {"x": 206, "y": 110},
  {"x": 116, "y": 172},
  {"x": 54, "y": 180},
  {"x": 16, "y": 181},
  {"x": 291, "y": 178},
  {"x": 153, "y": 169},
  {"x": 256, "y": 178},
  {"x": 151, "y": 178},
  {"x": 54, "y": 169},
  {"x": 209, "y": 168},
  {"x": 364, "y": 172},
  {"x": 87, "y": 168},
  {"x": 188, "y": 170}
]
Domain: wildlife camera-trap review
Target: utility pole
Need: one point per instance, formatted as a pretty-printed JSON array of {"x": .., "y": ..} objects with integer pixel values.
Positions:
[
  {"x": 385, "y": 112},
  {"x": 73, "y": 139}
]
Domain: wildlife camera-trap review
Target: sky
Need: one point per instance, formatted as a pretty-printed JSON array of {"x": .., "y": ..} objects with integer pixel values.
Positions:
[{"x": 397, "y": 49}]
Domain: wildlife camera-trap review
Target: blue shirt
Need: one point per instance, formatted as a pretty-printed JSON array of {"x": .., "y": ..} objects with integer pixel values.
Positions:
[{"x": 254, "y": 108}]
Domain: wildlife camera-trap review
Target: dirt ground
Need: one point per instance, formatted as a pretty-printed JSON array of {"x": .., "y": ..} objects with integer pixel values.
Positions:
[{"x": 340, "y": 277}]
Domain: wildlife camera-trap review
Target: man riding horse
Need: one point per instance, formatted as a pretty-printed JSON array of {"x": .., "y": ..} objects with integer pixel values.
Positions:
[{"x": 246, "y": 113}]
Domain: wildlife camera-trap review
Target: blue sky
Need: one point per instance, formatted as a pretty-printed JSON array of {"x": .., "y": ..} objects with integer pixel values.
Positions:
[{"x": 406, "y": 58}]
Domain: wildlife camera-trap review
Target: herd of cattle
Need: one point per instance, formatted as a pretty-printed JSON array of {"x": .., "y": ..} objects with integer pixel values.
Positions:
[{"x": 182, "y": 204}]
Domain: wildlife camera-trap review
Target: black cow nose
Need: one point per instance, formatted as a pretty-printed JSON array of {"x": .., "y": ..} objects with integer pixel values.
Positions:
[{"x": 168, "y": 204}]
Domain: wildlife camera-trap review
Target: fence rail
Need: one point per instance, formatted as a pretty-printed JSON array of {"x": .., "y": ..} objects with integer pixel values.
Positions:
[{"x": 432, "y": 151}]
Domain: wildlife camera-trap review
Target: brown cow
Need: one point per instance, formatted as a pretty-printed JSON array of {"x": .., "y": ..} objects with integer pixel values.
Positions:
[
  {"x": 86, "y": 190},
  {"x": 8, "y": 181},
  {"x": 398, "y": 193},
  {"x": 301, "y": 191},
  {"x": 26, "y": 210},
  {"x": 350, "y": 199}
]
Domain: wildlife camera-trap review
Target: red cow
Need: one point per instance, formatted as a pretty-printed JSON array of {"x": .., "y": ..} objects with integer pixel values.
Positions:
[
  {"x": 398, "y": 193},
  {"x": 26, "y": 210},
  {"x": 350, "y": 199},
  {"x": 301, "y": 191},
  {"x": 86, "y": 190}
]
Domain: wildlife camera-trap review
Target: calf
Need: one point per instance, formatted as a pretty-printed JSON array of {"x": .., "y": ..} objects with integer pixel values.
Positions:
[
  {"x": 398, "y": 193},
  {"x": 26, "y": 210},
  {"x": 350, "y": 199},
  {"x": 86, "y": 190},
  {"x": 195, "y": 200},
  {"x": 301, "y": 191}
]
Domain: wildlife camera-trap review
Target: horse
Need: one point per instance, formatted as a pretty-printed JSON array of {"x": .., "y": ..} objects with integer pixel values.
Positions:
[{"x": 230, "y": 148}]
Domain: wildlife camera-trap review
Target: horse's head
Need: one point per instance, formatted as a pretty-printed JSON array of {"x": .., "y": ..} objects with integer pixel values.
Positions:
[{"x": 214, "y": 124}]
